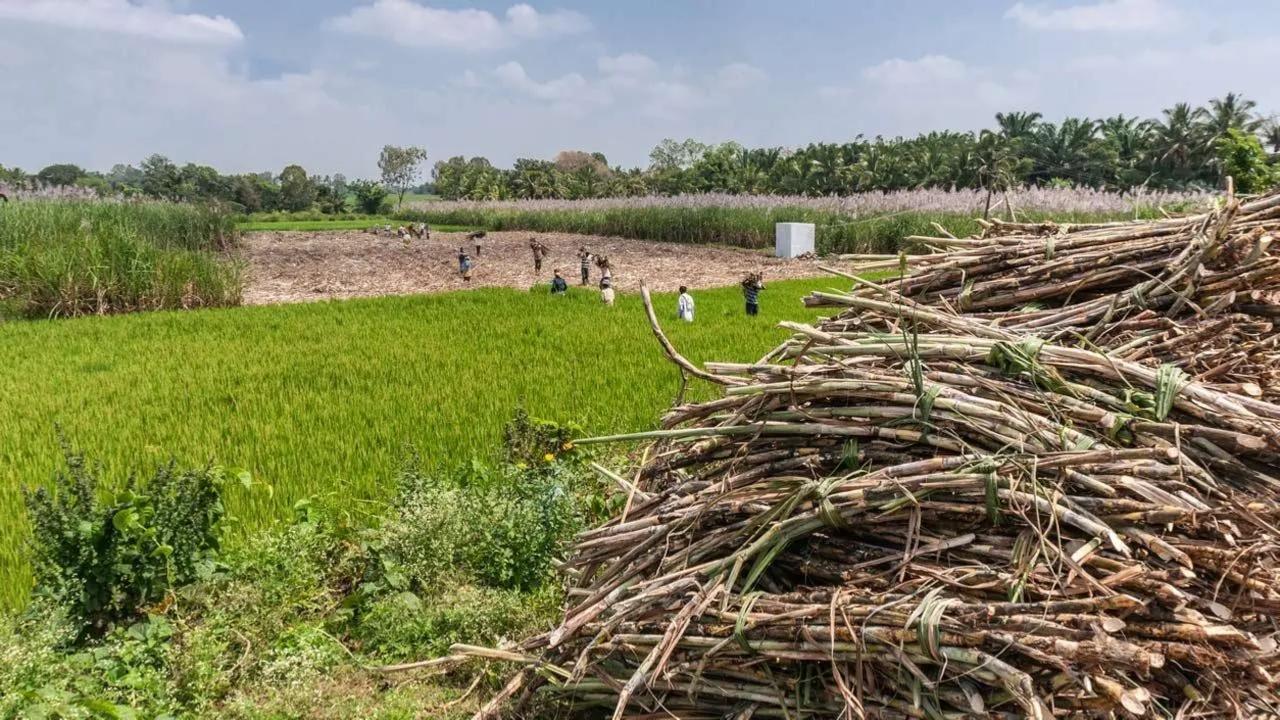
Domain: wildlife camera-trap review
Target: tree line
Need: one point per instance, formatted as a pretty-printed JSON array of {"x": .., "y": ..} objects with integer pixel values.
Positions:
[
  {"x": 291, "y": 190},
  {"x": 1186, "y": 148}
]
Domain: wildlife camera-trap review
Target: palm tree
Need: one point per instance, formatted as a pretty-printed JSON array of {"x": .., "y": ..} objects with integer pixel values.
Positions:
[
  {"x": 1065, "y": 151},
  {"x": 1229, "y": 111},
  {"x": 1271, "y": 135},
  {"x": 1177, "y": 141},
  {"x": 1128, "y": 142},
  {"x": 1017, "y": 125}
]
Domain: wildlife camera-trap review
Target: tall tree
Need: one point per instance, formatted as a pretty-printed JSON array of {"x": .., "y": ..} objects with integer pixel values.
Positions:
[
  {"x": 60, "y": 175},
  {"x": 297, "y": 192},
  {"x": 401, "y": 167},
  {"x": 160, "y": 178}
]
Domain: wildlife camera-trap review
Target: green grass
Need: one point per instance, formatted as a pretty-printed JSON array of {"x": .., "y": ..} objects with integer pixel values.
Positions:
[
  {"x": 68, "y": 258},
  {"x": 322, "y": 225},
  {"x": 326, "y": 397},
  {"x": 737, "y": 226}
]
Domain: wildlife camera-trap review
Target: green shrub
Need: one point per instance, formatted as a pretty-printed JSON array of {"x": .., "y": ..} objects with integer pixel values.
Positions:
[
  {"x": 371, "y": 197},
  {"x": 405, "y": 627},
  {"x": 531, "y": 441},
  {"x": 106, "y": 556},
  {"x": 500, "y": 528}
]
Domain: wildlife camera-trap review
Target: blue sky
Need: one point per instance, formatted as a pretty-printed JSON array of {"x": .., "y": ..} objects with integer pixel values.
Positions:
[{"x": 249, "y": 85}]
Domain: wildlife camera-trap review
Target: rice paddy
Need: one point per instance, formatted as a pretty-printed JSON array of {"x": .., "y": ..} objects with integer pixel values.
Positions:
[{"x": 326, "y": 398}]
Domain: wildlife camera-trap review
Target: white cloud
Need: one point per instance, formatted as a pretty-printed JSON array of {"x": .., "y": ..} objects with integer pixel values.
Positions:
[
  {"x": 627, "y": 65},
  {"x": 525, "y": 21},
  {"x": 1110, "y": 15},
  {"x": 154, "y": 21},
  {"x": 934, "y": 92},
  {"x": 740, "y": 76},
  {"x": 410, "y": 24},
  {"x": 567, "y": 88},
  {"x": 929, "y": 68}
]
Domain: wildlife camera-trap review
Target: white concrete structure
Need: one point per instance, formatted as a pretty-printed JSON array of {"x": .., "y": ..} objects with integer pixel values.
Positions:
[{"x": 793, "y": 239}]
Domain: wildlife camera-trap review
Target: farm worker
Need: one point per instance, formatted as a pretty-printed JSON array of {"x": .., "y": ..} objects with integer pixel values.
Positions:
[
  {"x": 584, "y": 255},
  {"x": 684, "y": 305},
  {"x": 606, "y": 290},
  {"x": 558, "y": 285},
  {"x": 464, "y": 264},
  {"x": 751, "y": 287},
  {"x": 476, "y": 237},
  {"x": 539, "y": 252}
]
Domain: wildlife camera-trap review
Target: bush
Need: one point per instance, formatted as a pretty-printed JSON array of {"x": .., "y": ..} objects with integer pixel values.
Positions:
[
  {"x": 501, "y": 529},
  {"x": 107, "y": 556},
  {"x": 404, "y": 627},
  {"x": 371, "y": 197}
]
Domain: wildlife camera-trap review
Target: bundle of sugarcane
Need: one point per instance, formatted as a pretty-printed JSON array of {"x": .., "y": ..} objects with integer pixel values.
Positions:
[
  {"x": 1200, "y": 292},
  {"x": 1234, "y": 351},
  {"x": 909, "y": 514},
  {"x": 1055, "y": 279}
]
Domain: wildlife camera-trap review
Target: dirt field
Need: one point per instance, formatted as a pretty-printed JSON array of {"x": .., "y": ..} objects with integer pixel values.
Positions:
[{"x": 305, "y": 266}]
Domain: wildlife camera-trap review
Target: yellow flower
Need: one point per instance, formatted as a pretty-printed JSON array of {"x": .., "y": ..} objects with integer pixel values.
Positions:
[{"x": 549, "y": 457}]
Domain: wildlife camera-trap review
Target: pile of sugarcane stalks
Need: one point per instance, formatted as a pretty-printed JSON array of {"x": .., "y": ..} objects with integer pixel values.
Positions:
[
  {"x": 905, "y": 513},
  {"x": 1201, "y": 292}
]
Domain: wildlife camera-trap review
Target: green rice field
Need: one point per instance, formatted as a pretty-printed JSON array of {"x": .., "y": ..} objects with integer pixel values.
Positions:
[{"x": 327, "y": 398}]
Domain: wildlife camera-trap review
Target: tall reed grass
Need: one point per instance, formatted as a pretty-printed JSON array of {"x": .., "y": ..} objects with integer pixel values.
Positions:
[
  {"x": 63, "y": 258},
  {"x": 873, "y": 222}
]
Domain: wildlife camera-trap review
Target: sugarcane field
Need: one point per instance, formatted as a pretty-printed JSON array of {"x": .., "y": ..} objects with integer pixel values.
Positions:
[{"x": 400, "y": 359}]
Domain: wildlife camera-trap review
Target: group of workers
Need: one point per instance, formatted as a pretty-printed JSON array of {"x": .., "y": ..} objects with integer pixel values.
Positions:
[{"x": 752, "y": 283}]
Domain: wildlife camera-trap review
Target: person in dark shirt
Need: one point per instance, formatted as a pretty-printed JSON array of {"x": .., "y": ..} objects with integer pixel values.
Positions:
[
  {"x": 751, "y": 287},
  {"x": 464, "y": 264},
  {"x": 558, "y": 285}
]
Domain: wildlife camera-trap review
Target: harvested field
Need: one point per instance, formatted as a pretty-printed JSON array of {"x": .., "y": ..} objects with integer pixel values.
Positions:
[{"x": 305, "y": 266}]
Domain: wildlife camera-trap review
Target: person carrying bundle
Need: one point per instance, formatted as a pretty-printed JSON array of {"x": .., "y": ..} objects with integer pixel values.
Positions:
[
  {"x": 584, "y": 255},
  {"x": 464, "y": 264},
  {"x": 752, "y": 284},
  {"x": 476, "y": 237},
  {"x": 606, "y": 290},
  {"x": 539, "y": 252}
]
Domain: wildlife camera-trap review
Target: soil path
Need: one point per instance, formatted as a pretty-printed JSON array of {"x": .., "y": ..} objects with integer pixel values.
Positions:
[{"x": 304, "y": 266}]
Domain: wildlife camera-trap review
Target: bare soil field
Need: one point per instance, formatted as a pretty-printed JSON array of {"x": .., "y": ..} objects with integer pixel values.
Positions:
[{"x": 305, "y": 266}]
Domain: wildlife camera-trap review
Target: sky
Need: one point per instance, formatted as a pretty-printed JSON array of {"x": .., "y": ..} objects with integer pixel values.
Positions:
[{"x": 253, "y": 85}]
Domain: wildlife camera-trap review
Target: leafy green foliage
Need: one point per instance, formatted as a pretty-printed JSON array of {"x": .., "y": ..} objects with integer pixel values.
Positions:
[
  {"x": 107, "y": 556},
  {"x": 401, "y": 167},
  {"x": 1242, "y": 157},
  {"x": 499, "y": 528},
  {"x": 371, "y": 197}
]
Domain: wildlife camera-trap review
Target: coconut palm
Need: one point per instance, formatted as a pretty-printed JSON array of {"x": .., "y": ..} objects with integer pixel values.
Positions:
[
  {"x": 1017, "y": 125},
  {"x": 1229, "y": 111},
  {"x": 1271, "y": 135},
  {"x": 1177, "y": 144}
]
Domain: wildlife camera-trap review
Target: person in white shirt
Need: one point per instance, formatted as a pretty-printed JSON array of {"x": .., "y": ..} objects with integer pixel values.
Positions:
[{"x": 684, "y": 306}]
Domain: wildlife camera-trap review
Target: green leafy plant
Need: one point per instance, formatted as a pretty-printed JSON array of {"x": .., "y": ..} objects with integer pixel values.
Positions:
[
  {"x": 107, "y": 556},
  {"x": 529, "y": 441}
]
